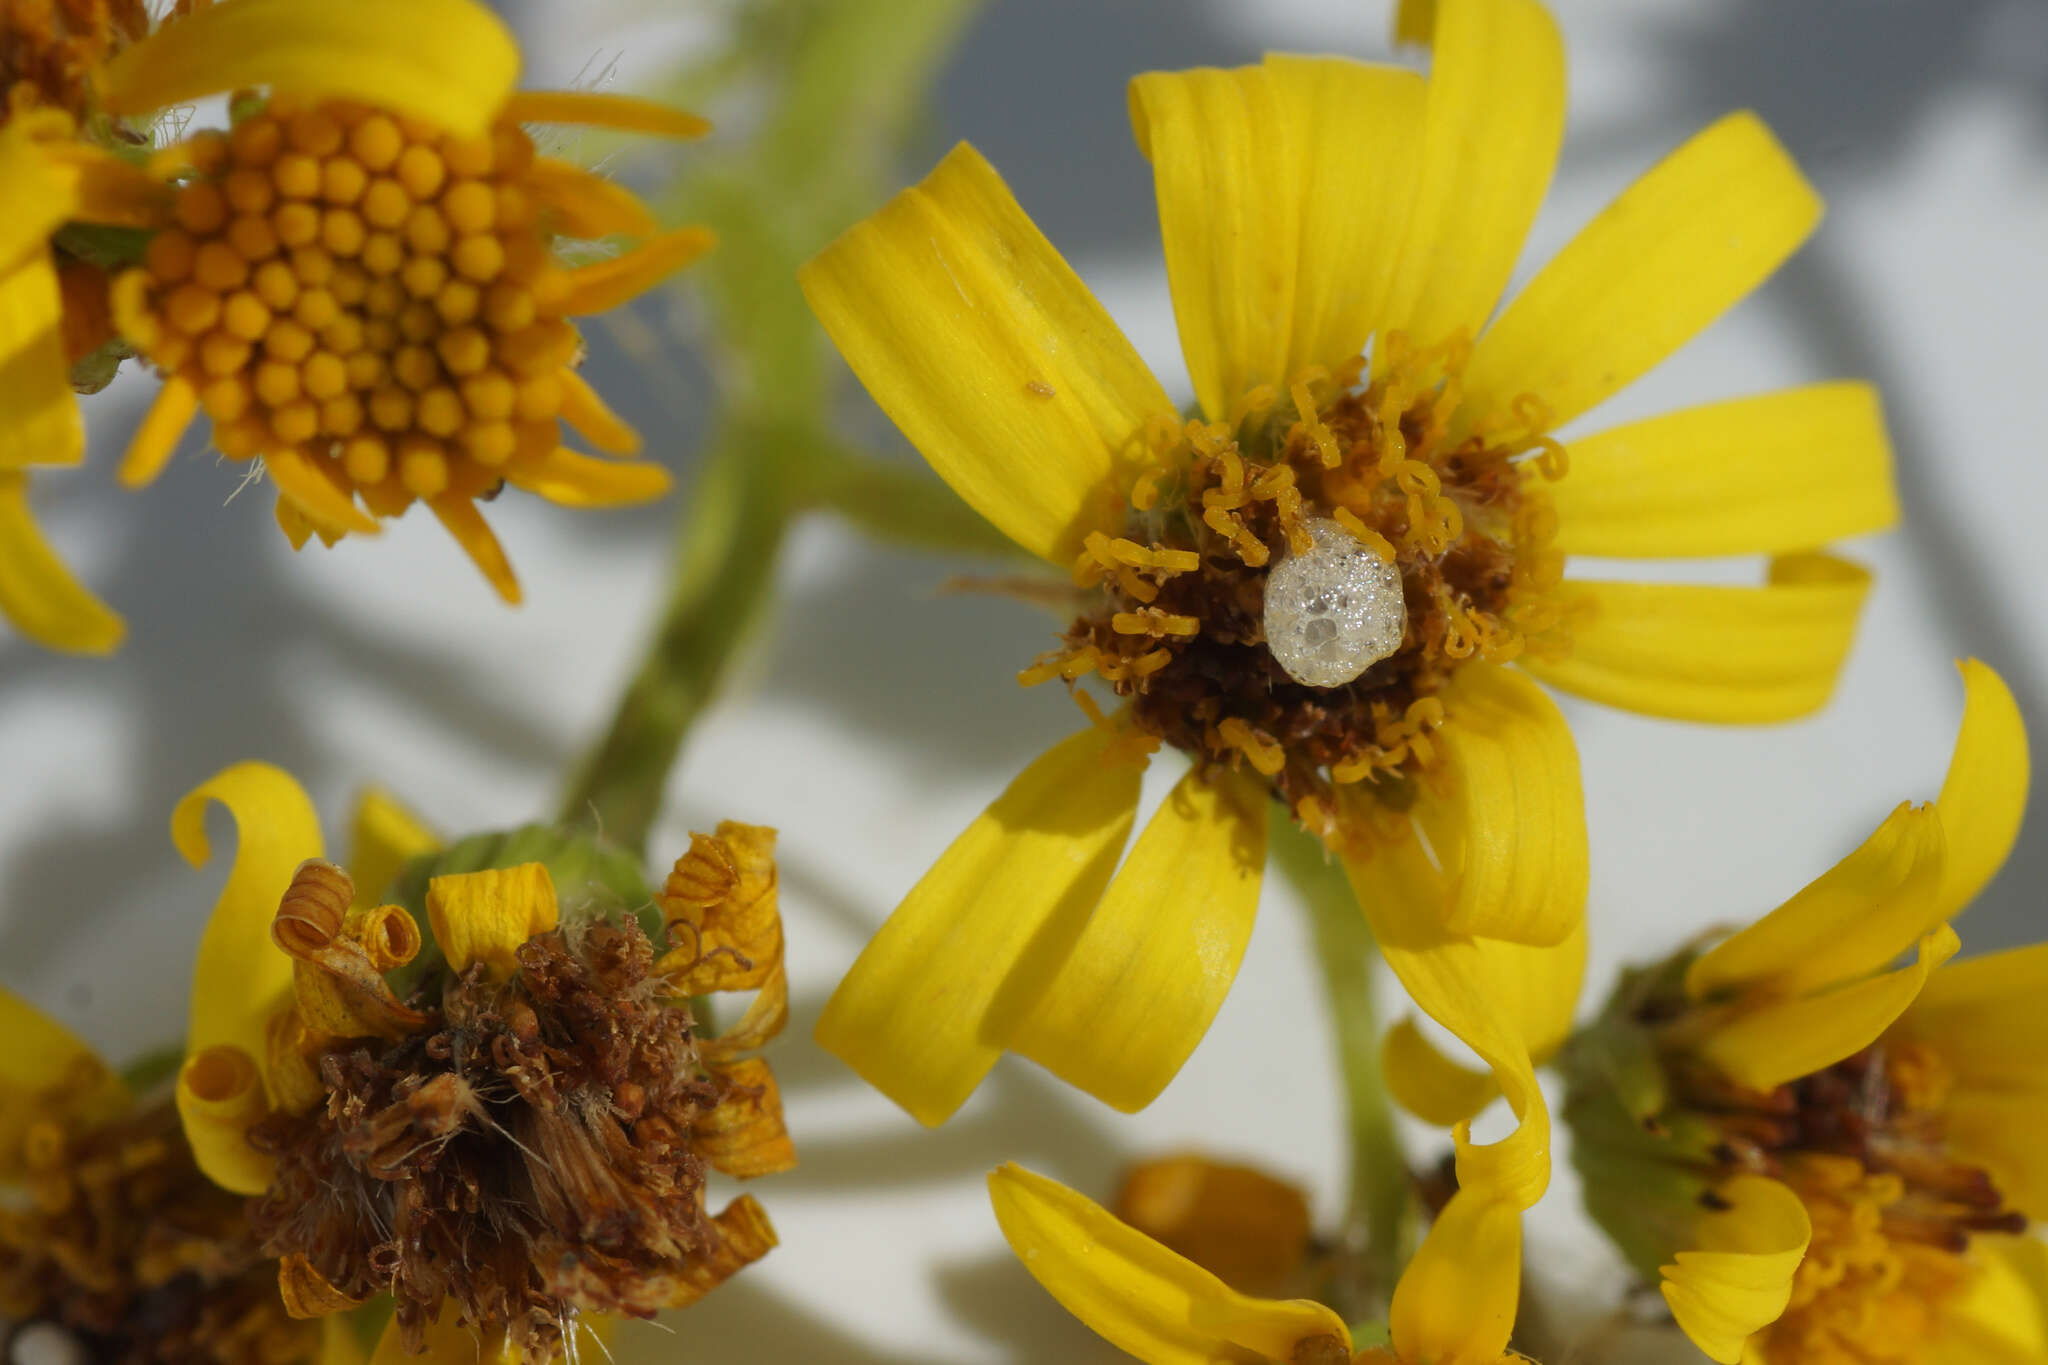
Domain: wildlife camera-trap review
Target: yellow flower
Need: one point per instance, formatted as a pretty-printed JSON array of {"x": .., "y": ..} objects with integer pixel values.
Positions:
[
  {"x": 1455, "y": 1304},
  {"x": 109, "y": 1232},
  {"x": 529, "y": 1124},
  {"x": 359, "y": 287},
  {"x": 1370, "y": 483},
  {"x": 1852, "y": 1139}
]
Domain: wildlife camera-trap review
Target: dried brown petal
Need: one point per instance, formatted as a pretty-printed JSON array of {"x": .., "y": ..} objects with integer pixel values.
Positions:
[{"x": 744, "y": 1134}]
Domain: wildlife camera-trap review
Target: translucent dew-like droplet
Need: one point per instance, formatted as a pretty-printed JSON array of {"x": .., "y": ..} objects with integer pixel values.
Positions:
[{"x": 1334, "y": 612}]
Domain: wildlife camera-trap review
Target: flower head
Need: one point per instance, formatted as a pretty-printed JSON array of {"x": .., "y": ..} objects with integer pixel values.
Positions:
[
  {"x": 1822, "y": 1154},
  {"x": 113, "y": 1246},
  {"x": 1455, "y": 1304},
  {"x": 360, "y": 287},
  {"x": 528, "y": 1123},
  {"x": 1333, "y": 584}
]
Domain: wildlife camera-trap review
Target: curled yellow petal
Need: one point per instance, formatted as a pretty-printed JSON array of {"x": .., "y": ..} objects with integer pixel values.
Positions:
[
  {"x": 721, "y": 904},
  {"x": 1455, "y": 1303},
  {"x": 46, "y": 1068},
  {"x": 1159, "y": 953},
  {"x": 744, "y": 1135},
  {"x": 1762, "y": 1046},
  {"x": 1277, "y": 247},
  {"x": 1853, "y": 919},
  {"x": 989, "y": 353},
  {"x": 924, "y": 1010},
  {"x": 39, "y": 421},
  {"x": 1767, "y": 475},
  {"x": 239, "y": 979},
  {"x": 599, "y": 109},
  {"x": 1710, "y": 652},
  {"x": 1142, "y": 1298},
  {"x": 1492, "y": 125},
  {"x": 1428, "y": 1084},
  {"x": 220, "y": 1098},
  {"x": 1675, "y": 251},
  {"x": 485, "y": 916},
  {"x": 384, "y": 835},
  {"x": 1984, "y": 797},
  {"x": 448, "y": 61},
  {"x": 1736, "y": 1277},
  {"x": 38, "y": 594}
]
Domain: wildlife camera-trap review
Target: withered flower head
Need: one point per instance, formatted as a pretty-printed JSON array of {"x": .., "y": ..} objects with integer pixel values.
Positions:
[
  {"x": 516, "y": 1139},
  {"x": 114, "y": 1248}
]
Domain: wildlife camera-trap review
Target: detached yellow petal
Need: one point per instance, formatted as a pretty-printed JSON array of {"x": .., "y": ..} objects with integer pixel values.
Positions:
[
  {"x": 1708, "y": 652},
  {"x": 1767, "y": 1045},
  {"x": 1455, "y": 1303},
  {"x": 1282, "y": 190},
  {"x": 1739, "y": 1278},
  {"x": 46, "y": 1065},
  {"x": 239, "y": 978},
  {"x": 38, "y": 595},
  {"x": 485, "y": 916},
  {"x": 575, "y": 480},
  {"x": 1145, "y": 1300},
  {"x": 1512, "y": 833},
  {"x": 1767, "y": 475},
  {"x": 1494, "y": 120},
  {"x": 383, "y": 837},
  {"x": 1852, "y": 920},
  {"x": 1675, "y": 251},
  {"x": 39, "y": 421},
  {"x": 1984, "y": 796},
  {"x": 923, "y": 1012},
  {"x": 990, "y": 354},
  {"x": 1159, "y": 953},
  {"x": 448, "y": 61},
  {"x": 220, "y": 1097}
]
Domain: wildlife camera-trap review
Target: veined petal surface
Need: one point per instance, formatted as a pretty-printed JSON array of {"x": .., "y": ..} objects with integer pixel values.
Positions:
[
  {"x": 1711, "y": 652},
  {"x": 1737, "y": 1276},
  {"x": 924, "y": 1010},
  {"x": 1282, "y": 192},
  {"x": 1160, "y": 951},
  {"x": 1675, "y": 251},
  {"x": 990, "y": 354},
  {"x": 1455, "y": 1303}
]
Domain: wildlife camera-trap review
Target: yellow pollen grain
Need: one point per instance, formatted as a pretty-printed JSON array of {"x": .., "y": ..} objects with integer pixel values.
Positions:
[
  {"x": 341, "y": 231},
  {"x": 421, "y": 170},
  {"x": 277, "y": 284},
  {"x": 489, "y": 442},
  {"x": 225, "y": 399},
  {"x": 295, "y": 422},
  {"x": 423, "y": 276},
  {"x": 439, "y": 411},
  {"x": 422, "y": 467},
  {"x": 295, "y": 176},
  {"x": 478, "y": 257},
  {"x": 414, "y": 367},
  {"x": 457, "y": 302},
  {"x": 366, "y": 370},
  {"x": 426, "y": 231},
  {"x": 470, "y": 207},
  {"x": 464, "y": 351},
  {"x": 192, "y": 308},
  {"x": 488, "y": 396},
  {"x": 222, "y": 353},
  {"x": 391, "y": 408},
  {"x": 276, "y": 383},
  {"x": 287, "y": 340}
]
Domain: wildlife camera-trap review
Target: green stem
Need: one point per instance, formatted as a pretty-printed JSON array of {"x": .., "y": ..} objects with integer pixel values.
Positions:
[
  {"x": 1377, "y": 1203},
  {"x": 724, "y": 573}
]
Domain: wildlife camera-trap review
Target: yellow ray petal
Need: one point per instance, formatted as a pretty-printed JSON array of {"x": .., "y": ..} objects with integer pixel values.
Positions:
[
  {"x": 1494, "y": 119},
  {"x": 1675, "y": 251},
  {"x": 923, "y": 1011},
  {"x": 39, "y": 421},
  {"x": 324, "y": 502},
  {"x": 584, "y": 410},
  {"x": 156, "y": 437},
  {"x": 1511, "y": 834},
  {"x": 597, "y": 109},
  {"x": 38, "y": 595},
  {"x": 1709, "y": 652},
  {"x": 1984, "y": 1017},
  {"x": 1984, "y": 796},
  {"x": 448, "y": 61},
  {"x": 1763, "y": 1046},
  {"x": 1766, "y": 475},
  {"x": 221, "y": 1096},
  {"x": 449, "y": 1341},
  {"x": 384, "y": 836},
  {"x": 239, "y": 978},
  {"x": 2001, "y": 1131},
  {"x": 584, "y": 204},
  {"x": 1159, "y": 954},
  {"x": 1854, "y": 919},
  {"x": 1455, "y": 1303},
  {"x": 39, "y": 190},
  {"x": 990, "y": 354},
  {"x": 1738, "y": 1276},
  {"x": 114, "y": 191},
  {"x": 572, "y": 480},
  {"x": 463, "y": 521},
  {"x": 47, "y": 1071},
  {"x": 1162, "y": 1308},
  {"x": 1464, "y": 984},
  {"x": 2002, "y": 1317},
  {"x": 1281, "y": 190},
  {"x": 1428, "y": 1084},
  {"x": 605, "y": 285},
  {"x": 486, "y": 916}
]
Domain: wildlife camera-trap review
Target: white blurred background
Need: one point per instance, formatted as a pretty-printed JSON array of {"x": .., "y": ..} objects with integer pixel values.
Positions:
[{"x": 876, "y": 717}]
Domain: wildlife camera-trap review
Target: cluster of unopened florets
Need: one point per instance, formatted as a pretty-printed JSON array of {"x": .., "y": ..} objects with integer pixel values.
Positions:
[{"x": 1451, "y": 512}]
